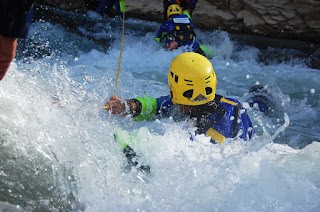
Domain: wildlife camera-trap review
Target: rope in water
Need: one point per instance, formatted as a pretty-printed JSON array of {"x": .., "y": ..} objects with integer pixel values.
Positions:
[{"x": 120, "y": 58}]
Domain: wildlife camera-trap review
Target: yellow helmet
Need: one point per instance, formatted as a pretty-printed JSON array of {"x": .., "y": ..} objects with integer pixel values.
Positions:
[
  {"x": 191, "y": 80},
  {"x": 174, "y": 9}
]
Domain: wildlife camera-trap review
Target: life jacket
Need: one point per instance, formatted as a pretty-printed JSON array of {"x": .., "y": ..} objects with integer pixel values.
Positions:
[
  {"x": 183, "y": 31},
  {"x": 221, "y": 119}
]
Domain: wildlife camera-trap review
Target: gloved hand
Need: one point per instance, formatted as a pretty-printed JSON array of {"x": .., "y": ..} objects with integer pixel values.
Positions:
[
  {"x": 157, "y": 39},
  {"x": 187, "y": 13},
  {"x": 122, "y": 6},
  {"x": 208, "y": 52}
]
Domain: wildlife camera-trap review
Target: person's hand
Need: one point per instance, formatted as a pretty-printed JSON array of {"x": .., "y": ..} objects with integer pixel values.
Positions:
[
  {"x": 173, "y": 45},
  {"x": 8, "y": 48},
  {"x": 118, "y": 106},
  {"x": 157, "y": 39},
  {"x": 122, "y": 6},
  {"x": 187, "y": 13}
]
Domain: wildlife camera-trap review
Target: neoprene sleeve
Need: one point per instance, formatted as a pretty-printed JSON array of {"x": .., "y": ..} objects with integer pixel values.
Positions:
[{"x": 148, "y": 108}]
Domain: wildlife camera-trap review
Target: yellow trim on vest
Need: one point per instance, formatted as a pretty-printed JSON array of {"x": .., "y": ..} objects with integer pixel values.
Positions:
[
  {"x": 215, "y": 135},
  {"x": 177, "y": 27},
  {"x": 228, "y": 101}
]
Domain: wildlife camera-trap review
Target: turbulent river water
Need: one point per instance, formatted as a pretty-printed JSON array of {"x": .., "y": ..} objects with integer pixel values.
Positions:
[{"x": 57, "y": 151}]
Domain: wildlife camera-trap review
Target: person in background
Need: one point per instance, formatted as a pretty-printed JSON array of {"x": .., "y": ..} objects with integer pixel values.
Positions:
[
  {"x": 15, "y": 20},
  {"x": 106, "y": 7},
  {"x": 192, "y": 87},
  {"x": 187, "y": 6},
  {"x": 178, "y": 31}
]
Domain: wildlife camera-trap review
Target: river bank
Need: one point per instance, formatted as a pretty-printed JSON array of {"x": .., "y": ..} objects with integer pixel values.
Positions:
[
  {"x": 293, "y": 20},
  {"x": 308, "y": 51}
]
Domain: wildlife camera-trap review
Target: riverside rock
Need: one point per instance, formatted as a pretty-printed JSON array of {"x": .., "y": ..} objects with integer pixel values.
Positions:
[{"x": 286, "y": 19}]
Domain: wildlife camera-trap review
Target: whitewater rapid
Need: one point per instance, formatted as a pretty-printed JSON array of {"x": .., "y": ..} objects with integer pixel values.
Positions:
[{"x": 57, "y": 150}]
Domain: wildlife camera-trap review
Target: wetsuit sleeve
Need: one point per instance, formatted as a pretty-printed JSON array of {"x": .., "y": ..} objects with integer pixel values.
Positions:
[
  {"x": 161, "y": 32},
  {"x": 15, "y": 17},
  {"x": 148, "y": 107},
  {"x": 192, "y": 4},
  {"x": 100, "y": 8},
  {"x": 117, "y": 6}
]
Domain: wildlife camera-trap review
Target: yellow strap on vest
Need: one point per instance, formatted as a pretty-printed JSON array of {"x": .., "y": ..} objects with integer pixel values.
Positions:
[
  {"x": 215, "y": 135},
  {"x": 228, "y": 101}
]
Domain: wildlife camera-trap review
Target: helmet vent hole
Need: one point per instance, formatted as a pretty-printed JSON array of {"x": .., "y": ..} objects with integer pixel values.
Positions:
[
  {"x": 176, "y": 78},
  {"x": 171, "y": 73},
  {"x": 188, "y": 94},
  {"x": 171, "y": 94},
  {"x": 208, "y": 90}
]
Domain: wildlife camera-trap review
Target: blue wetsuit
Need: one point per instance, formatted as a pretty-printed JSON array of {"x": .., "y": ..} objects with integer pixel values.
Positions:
[
  {"x": 180, "y": 29},
  {"x": 219, "y": 119},
  {"x": 185, "y": 4},
  {"x": 15, "y": 17},
  {"x": 106, "y": 6}
]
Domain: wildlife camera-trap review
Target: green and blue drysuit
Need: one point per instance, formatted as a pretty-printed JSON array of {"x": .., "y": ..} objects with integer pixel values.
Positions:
[{"x": 219, "y": 119}]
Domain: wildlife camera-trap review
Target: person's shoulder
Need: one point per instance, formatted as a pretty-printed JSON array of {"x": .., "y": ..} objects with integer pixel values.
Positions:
[
  {"x": 164, "y": 98},
  {"x": 167, "y": 22}
]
